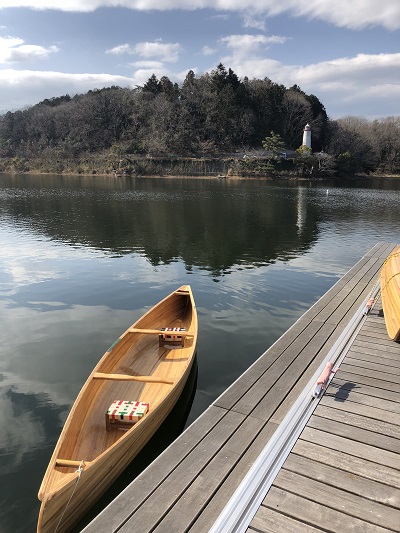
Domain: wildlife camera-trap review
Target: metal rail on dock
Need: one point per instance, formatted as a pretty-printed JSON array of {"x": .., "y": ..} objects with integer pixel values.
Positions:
[{"x": 244, "y": 503}]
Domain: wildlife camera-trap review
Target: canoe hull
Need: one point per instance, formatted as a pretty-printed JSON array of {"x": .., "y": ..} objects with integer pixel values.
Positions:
[
  {"x": 390, "y": 291},
  {"x": 66, "y": 495}
]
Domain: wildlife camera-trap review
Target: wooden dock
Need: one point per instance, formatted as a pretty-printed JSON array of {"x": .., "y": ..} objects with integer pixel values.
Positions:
[{"x": 343, "y": 473}]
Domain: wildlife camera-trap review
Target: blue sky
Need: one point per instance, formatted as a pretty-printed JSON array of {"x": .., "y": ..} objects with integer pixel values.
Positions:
[{"x": 346, "y": 52}]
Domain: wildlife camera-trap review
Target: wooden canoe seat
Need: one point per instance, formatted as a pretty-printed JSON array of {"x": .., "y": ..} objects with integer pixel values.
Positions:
[
  {"x": 183, "y": 331},
  {"x": 172, "y": 336},
  {"x": 125, "y": 413}
]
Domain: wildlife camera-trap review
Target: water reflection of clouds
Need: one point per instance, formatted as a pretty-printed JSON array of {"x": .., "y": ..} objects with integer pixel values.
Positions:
[
  {"x": 21, "y": 428},
  {"x": 55, "y": 351}
]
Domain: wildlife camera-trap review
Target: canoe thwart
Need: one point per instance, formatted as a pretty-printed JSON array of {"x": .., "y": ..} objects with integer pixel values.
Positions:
[
  {"x": 70, "y": 463},
  {"x": 126, "y": 377}
]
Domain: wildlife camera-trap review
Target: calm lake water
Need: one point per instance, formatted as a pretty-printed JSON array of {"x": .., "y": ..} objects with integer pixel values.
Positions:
[{"x": 81, "y": 258}]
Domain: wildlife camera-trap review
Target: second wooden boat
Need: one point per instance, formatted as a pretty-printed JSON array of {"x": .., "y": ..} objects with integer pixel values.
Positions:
[
  {"x": 390, "y": 291},
  {"x": 124, "y": 401}
]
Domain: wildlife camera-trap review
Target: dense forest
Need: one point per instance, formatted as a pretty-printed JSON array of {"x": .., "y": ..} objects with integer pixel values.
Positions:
[{"x": 253, "y": 126}]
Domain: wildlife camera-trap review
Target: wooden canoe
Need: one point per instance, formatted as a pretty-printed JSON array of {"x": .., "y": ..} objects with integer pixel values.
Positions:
[
  {"x": 140, "y": 366},
  {"x": 390, "y": 291}
]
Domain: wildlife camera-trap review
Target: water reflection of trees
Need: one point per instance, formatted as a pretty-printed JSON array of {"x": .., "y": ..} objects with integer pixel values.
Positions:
[{"x": 211, "y": 225}]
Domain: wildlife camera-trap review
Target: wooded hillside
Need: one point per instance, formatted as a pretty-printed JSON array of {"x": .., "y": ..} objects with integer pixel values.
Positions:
[{"x": 207, "y": 116}]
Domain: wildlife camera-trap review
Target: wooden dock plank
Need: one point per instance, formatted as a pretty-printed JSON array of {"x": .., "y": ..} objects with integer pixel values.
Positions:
[
  {"x": 385, "y": 475},
  {"x": 319, "y": 312},
  {"x": 222, "y": 496},
  {"x": 355, "y": 433},
  {"x": 267, "y": 406},
  {"x": 362, "y": 422},
  {"x": 375, "y": 402},
  {"x": 156, "y": 505},
  {"x": 372, "y": 365},
  {"x": 265, "y": 382},
  {"x": 364, "y": 371},
  {"x": 359, "y": 380},
  {"x": 365, "y": 509},
  {"x": 384, "y": 358},
  {"x": 314, "y": 513},
  {"x": 392, "y": 370},
  {"x": 358, "y": 449},
  {"x": 197, "y": 495},
  {"x": 375, "y": 335},
  {"x": 362, "y": 410},
  {"x": 269, "y": 521},
  {"x": 340, "y": 479},
  {"x": 305, "y": 378},
  {"x": 252, "y": 376},
  {"x": 362, "y": 388},
  {"x": 372, "y": 347}
]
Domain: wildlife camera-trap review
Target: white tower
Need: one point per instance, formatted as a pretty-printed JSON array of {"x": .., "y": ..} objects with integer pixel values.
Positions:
[{"x": 307, "y": 136}]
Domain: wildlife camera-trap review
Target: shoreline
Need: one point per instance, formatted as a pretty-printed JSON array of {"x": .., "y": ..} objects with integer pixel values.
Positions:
[{"x": 208, "y": 176}]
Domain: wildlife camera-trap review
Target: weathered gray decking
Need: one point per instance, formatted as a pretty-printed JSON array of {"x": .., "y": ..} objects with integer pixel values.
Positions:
[{"x": 343, "y": 473}]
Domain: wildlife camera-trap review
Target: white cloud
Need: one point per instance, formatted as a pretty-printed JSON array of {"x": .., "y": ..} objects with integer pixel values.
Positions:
[
  {"x": 13, "y": 50},
  {"x": 163, "y": 51},
  {"x": 147, "y": 64},
  {"x": 207, "y": 51},
  {"x": 348, "y": 83},
  {"x": 244, "y": 45},
  {"x": 120, "y": 49},
  {"x": 343, "y": 13},
  {"x": 143, "y": 74},
  {"x": 257, "y": 23},
  {"x": 28, "y": 87}
]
